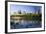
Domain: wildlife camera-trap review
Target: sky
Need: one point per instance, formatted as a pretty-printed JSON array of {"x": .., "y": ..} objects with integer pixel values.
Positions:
[{"x": 26, "y": 8}]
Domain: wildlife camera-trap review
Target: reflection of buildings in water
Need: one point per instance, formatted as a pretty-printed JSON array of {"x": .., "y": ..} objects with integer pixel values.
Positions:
[
  {"x": 20, "y": 20},
  {"x": 24, "y": 21},
  {"x": 16, "y": 19}
]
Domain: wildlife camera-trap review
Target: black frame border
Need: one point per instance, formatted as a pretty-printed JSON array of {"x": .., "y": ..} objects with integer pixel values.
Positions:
[{"x": 6, "y": 3}]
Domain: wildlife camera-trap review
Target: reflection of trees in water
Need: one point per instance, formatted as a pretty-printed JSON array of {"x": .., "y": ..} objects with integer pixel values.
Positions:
[{"x": 26, "y": 24}]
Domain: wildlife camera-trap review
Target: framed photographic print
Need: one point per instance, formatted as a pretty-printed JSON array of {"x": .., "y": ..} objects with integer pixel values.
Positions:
[{"x": 23, "y": 16}]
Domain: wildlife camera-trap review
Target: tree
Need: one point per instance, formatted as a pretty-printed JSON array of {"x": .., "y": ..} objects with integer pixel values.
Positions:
[
  {"x": 19, "y": 11},
  {"x": 39, "y": 11}
]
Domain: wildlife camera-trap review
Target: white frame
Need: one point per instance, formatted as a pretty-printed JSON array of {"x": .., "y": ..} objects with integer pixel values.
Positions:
[{"x": 29, "y": 29}]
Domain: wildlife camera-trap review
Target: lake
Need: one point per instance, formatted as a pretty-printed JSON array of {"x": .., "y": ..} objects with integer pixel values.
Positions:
[{"x": 20, "y": 24}]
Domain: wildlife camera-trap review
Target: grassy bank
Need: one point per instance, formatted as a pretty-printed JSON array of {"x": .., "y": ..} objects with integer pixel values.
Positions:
[{"x": 29, "y": 16}]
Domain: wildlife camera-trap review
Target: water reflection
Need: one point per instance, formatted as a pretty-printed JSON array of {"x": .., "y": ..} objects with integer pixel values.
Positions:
[{"x": 20, "y": 23}]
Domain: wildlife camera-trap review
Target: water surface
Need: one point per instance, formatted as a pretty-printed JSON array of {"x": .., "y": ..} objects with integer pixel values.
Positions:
[{"x": 20, "y": 24}]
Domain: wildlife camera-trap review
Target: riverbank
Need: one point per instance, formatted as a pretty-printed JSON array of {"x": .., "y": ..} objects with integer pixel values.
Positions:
[{"x": 27, "y": 17}]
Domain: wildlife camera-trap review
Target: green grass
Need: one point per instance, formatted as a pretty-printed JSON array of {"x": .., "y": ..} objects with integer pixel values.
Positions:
[{"x": 29, "y": 16}]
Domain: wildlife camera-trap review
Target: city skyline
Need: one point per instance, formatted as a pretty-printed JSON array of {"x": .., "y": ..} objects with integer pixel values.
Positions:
[{"x": 26, "y": 8}]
